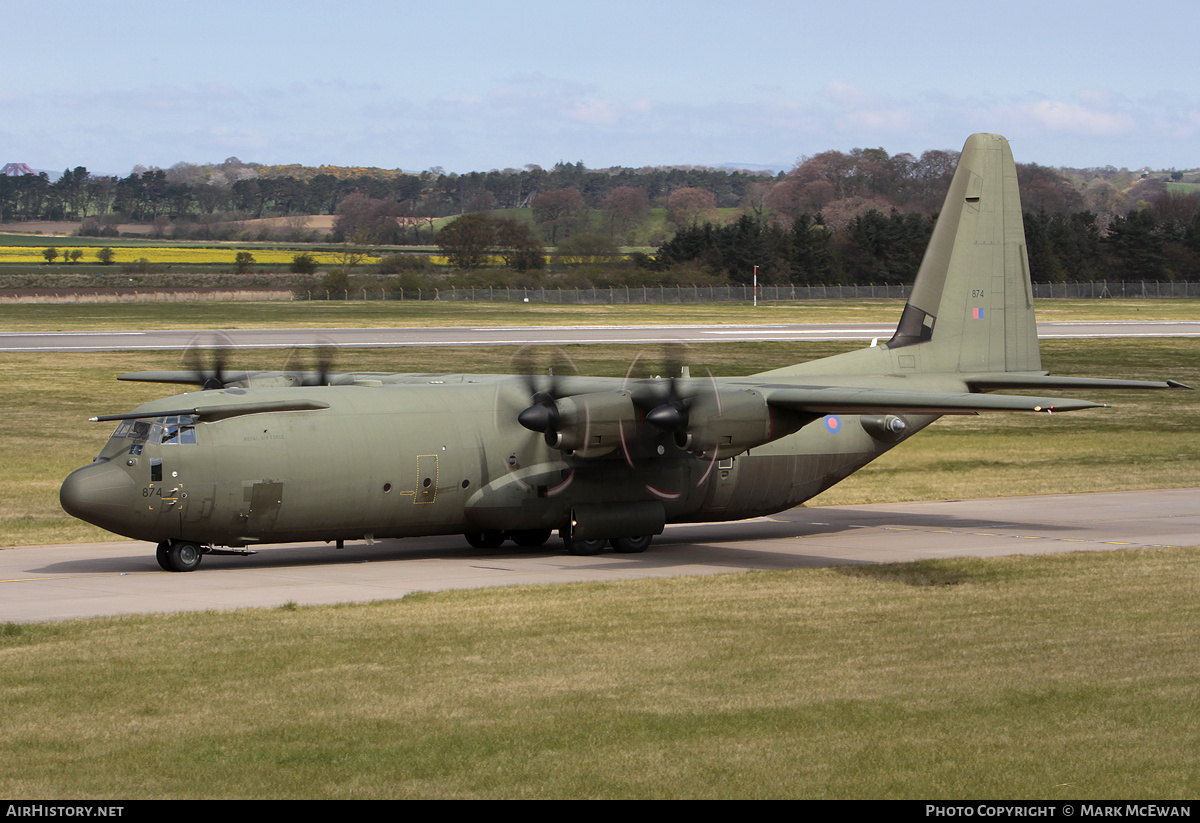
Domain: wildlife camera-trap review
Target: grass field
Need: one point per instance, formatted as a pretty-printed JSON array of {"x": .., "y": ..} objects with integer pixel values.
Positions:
[
  {"x": 1051, "y": 677},
  {"x": 379, "y": 313},
  {"x": 1148, "y": 440}
]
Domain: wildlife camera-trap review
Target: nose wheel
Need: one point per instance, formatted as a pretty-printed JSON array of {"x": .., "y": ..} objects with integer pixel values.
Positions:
[{"x": 179, "y": 555}]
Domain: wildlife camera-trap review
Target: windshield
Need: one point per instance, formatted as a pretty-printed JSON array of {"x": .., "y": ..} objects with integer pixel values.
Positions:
[{"x": 133, "y": 435}]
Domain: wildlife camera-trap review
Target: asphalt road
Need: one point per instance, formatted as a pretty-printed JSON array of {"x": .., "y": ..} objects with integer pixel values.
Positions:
[
  {"x": 88, "y": 580},
  {"x": 86, "y": 341}
]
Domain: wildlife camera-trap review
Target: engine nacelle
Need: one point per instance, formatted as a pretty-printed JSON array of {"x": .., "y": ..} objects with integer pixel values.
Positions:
[
  {"x": 730, "y": 422},
  {"x": 591, "y": 425}
]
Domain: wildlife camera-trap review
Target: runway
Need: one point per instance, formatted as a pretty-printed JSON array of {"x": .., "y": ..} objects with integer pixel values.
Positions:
[
  {"x": 90, "y": 341},
  {"x": 89, "y": 580}
]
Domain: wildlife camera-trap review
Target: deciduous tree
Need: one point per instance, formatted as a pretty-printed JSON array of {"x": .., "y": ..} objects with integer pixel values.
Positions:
[
  {"x": 467, "y": 241},
  {"x": 690, "y": 206},
  {"x": 559, "y": 213},
  {"x": 625, "y": 208}
]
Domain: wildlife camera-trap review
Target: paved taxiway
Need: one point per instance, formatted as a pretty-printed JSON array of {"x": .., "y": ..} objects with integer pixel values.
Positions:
[
  {"x": 86, "y": 341},
  {"x": 87, "y": 580}
]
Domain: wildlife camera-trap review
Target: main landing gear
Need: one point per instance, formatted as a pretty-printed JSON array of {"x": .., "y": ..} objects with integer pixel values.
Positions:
[
  {"x": 532, "y": 538},
  {"x": 623, "y": 545},
  {"x": 526, "y": 538}
]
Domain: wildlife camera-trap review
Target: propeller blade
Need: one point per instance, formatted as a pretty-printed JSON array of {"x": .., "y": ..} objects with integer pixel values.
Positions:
[
  {"x": 542, "y": 415},
  {"x": 214, "y": 376},
  {"x": 324, "y": 365}
]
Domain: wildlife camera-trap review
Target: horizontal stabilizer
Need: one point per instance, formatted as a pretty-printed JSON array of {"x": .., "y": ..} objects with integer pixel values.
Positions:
[{"x": 849, "y": 400}]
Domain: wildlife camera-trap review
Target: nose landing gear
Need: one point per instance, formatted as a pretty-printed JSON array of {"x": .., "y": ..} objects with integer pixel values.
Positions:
[{"x": 179, "y": 555}]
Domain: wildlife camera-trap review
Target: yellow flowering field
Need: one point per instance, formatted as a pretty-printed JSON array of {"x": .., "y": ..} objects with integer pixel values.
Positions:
[{"x": 167, "y": 255}]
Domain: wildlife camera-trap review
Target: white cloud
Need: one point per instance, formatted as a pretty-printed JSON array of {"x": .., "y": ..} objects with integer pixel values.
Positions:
[
  {"x": 1073, "y": 118},
  {"x": 595, "y": 112}
]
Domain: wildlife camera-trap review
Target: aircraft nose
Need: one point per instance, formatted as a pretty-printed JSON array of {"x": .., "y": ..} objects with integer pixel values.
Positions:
[{"x": 99, "y": 493}]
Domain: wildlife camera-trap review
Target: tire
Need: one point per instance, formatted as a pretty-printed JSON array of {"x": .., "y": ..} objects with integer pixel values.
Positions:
[
  {"x": 484, "y": 540},
  {"x": 163, "y": 555},
  {"x": 184, "y": 556},
  {"x": 584, "y": 548},
  {"x": 631, "y": 545},
  {"x": 530, "y": 538}
]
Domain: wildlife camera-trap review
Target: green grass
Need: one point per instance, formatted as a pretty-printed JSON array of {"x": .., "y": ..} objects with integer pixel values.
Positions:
[
  {"x": 1148, "y": 440},
  {"x": 378, "y": 313},
  {"x": 1048, "y": 677}
]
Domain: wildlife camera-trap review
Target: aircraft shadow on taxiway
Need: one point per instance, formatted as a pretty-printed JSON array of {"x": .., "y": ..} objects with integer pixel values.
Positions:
[{"x": 723, "y": 544}]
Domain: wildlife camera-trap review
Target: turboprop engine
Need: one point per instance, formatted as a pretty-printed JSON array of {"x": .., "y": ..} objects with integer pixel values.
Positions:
[
  {"x": 725, "y": 422},
  {"x": 587, "y": 425}
]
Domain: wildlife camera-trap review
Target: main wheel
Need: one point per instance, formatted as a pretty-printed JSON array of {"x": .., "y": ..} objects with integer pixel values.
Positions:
[
  {"x": 530, "y": 538},
  {"x": 582, "y": 548},
  {"x": 184, "y": 556},
  {"x": 484, "y": 540},
  {"x": 631, "y": 545}
]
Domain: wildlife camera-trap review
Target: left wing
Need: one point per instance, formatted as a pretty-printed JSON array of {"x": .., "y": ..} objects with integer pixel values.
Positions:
[{"x": 823, "y": 400}]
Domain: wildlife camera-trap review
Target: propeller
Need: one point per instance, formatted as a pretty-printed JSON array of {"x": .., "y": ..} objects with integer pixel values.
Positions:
[
  {"x": 670, "y": 412},
  {"x": 322, "y": 360},
  {"x": 211, "y": 375},
  {"x": 542, "y": 415}
]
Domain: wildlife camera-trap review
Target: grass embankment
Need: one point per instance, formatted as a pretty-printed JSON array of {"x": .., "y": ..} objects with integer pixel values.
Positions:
[
  {"x": 1051, "y": 677},
  {"x": 1149, "y": 440}
]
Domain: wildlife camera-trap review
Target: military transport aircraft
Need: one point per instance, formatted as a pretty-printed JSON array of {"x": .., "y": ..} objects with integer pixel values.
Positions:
[{"x": 255, "y": 458}]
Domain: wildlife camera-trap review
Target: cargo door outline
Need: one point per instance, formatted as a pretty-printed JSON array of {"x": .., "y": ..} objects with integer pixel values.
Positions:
[{"x": 265, "y": 499}]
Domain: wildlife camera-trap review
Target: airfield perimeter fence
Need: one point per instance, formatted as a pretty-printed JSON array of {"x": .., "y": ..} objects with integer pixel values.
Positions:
[
  {"x": 628, "y": 295},
  {"x": 745, "y": 294}
]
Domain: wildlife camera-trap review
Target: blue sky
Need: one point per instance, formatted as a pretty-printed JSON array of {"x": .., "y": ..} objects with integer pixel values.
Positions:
[{"x": 468, "y": 85}]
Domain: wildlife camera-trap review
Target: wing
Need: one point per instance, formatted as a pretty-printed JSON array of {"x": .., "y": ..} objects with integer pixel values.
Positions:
[{"x": 821, "y": 400}]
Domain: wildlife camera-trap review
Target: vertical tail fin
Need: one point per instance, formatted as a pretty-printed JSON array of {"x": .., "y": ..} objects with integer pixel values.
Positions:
[{"x": 971, "y": 308}]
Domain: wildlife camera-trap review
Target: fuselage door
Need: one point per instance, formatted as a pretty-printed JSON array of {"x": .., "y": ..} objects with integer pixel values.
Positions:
[{"x": 427, "y": 478}]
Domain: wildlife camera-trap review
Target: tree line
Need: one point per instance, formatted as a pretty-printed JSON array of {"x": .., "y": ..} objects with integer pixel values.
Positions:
[
  {"x": 255, "y": 191},
  {"x": 1148, "y": 243},
  {"x": 862, "y": 216}
]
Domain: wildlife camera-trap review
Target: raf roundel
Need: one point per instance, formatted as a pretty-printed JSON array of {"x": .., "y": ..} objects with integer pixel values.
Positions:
[{"x": 833, "y": 423}]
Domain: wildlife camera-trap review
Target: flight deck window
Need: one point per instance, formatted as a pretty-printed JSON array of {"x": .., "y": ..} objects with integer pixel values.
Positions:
[
  {"x": 168, "y": 431},
  {"x": 133, "y": 429}
]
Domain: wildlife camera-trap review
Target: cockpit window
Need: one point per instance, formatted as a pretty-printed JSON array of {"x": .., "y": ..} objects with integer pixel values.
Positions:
[
  {"x": 133, "y": 429},
  {"x": 169, "y": 431},
  {"x": 176, "y": 430}
]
